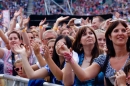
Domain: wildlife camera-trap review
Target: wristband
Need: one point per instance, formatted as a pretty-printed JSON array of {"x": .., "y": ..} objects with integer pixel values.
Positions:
[
  {"x": 55, "y": 28},
  {"x": 68, "y": 57},
  {"x": 24, "y": 30},
  {"x": 40, "y": 27}
]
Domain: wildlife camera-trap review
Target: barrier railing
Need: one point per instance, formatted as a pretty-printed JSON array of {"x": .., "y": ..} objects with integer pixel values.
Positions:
[{"x": 8, "y": 80}]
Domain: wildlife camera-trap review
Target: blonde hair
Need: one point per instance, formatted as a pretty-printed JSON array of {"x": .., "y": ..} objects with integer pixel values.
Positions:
[
  {"x": 51, "y": 40},
  {"x": 19, "y": 60},
  {"x": 99, "y": 31}
]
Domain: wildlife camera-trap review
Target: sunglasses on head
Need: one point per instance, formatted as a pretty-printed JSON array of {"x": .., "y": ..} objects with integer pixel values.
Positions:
[
  {"x": 17, "y": 69},
  {"x": 119, "y": 19}
]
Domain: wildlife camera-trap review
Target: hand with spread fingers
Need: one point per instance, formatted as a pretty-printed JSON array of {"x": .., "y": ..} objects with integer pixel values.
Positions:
[
  {"x": 20, "y": 50},
  {"x": 120, "y": 78},
  {"x": 17, "y": 13}
]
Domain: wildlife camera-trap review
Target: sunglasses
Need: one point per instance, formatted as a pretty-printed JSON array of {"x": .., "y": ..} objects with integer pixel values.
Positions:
[{"x": 17, "y": 69}]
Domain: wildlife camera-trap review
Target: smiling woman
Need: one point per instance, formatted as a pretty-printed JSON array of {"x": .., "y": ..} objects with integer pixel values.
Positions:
[{"x": 8, "y": 55}]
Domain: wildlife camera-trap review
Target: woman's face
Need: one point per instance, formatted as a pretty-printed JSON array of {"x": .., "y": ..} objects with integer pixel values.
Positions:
[
  {"x": 31, "y": 38},
  {"x": 13, "y": 39},
  {"x": 119, "y": 35},
  {"x": 18, "y": 69},
  {"x": 101, "y": 40},
  {"x": 50, "y": 46},
  {"x": 87, "y": 38}
]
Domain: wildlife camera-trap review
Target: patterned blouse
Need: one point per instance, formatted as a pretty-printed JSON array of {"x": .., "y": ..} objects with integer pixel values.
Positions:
[{"x": 110, "y": 72}]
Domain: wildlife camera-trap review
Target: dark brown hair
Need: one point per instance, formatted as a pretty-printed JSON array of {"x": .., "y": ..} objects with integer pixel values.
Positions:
[
  {"x": 109, "y": 43},
  {"x": 15, "y": 32},
  {"x": 77, "y": 46},
  {"x": 127, "y": 68}
]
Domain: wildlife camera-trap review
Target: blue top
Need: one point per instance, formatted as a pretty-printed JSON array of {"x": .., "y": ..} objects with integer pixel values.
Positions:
[
  {"x": 52, "y": 77},
  {"x": 98, "y": 81}
]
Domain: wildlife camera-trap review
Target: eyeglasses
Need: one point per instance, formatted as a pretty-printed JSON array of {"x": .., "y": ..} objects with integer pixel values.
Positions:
[{"x": 17, "y": 69}]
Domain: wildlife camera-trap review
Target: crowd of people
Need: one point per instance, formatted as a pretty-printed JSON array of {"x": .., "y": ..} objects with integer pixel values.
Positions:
[
  {"x": 96, "y": 53},
  {"x": 13, "y": 5},
  {"x": 85, "y": 7}
]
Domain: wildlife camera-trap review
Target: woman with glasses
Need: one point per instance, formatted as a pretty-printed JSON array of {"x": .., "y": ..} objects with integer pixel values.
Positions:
[{"x": 118, "y": 45}]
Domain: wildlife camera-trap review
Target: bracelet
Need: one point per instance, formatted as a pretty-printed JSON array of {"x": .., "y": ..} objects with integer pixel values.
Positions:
[
  {"x": 55, "y": 28},
  {"x": 40, "y": 27},
  {"x": 68, "y": 57}
]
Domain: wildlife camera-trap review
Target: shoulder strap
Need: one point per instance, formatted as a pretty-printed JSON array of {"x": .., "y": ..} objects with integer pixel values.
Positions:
[{"x": 105, "y": 64}]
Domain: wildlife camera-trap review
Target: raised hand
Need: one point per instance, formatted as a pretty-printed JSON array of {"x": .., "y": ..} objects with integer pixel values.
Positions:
[
  {"x": 36, "y": 48},
  {"x": 42, "y": 22},
  {"x": 61, "y": 48},
  {"x": 19, "y": 49},
  {"x": 71, "y": 22},
  {"x": 46, "y": 52},
  {"x": 25, "y": 22},
  {"x": 62, "y": 18},
  {"x": 120, "y": 78},
  {"x": 17, "y": 13}
]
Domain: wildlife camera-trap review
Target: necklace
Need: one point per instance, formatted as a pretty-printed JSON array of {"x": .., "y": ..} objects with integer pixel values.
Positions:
[{"x": 118, "y": 58}]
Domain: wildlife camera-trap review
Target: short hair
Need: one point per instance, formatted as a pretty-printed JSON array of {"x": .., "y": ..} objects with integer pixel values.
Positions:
[
  {"x": 100, "y": 18},
  {"x": 49, "y": 31}
]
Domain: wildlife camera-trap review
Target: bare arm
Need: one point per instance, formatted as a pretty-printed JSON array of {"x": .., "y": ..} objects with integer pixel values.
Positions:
[
  {"x": 57, "y": 72},
  {"x": 35, "y": 67},
  {"x": 41, "y": 73},
  {"x": 13, "y": 20},
  {"x": 87, "y": 74},
  {"x": 60, "y": 19},
  {"x": 36, "y": 49},
  {"x": 68, "y": 81},
  {"x": 5, "y": 39}
]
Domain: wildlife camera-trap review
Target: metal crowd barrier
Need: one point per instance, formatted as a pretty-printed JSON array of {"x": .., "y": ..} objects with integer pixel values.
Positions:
[{"x": 8, "y": 80}]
